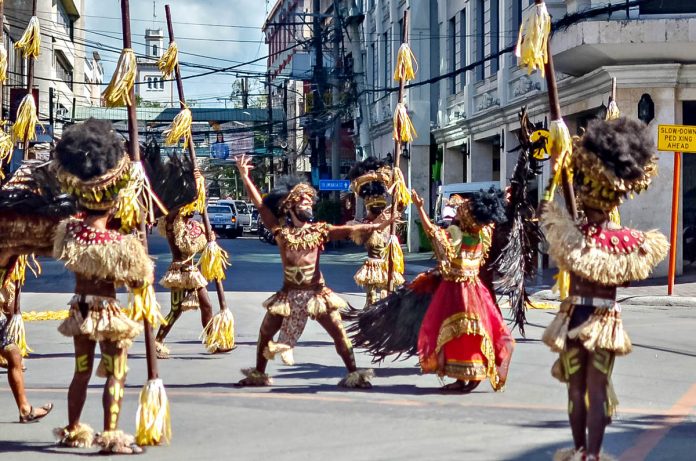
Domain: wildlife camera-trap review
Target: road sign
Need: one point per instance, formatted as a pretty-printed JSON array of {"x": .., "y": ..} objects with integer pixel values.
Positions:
[
  {"x": 676, "y": 138},
  {"x": 334, "y": 184}
]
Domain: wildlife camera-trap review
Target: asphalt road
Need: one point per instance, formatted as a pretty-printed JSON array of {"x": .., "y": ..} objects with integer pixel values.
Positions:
[{"x": 304, "y": 416}]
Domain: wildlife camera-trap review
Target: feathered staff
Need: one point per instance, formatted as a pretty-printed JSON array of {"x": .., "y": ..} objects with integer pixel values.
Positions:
[
  {"x": 153, "y": 425},
  {"x": 219, "y": 333},
  {"x": 516, "y": 242},
  {"x": 404, "y": 132}
]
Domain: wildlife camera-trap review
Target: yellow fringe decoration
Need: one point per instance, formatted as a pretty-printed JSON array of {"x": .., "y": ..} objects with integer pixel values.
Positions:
[
  {"x": 214, "y": 260},
  {"x": 179, "y": 129},
  {"x": 6, "y": 149},
  {"x": 615, "y": 216},
  {"x": 17, "y": 334},
  {"x": 117, "y": 94},
  {"x": 218, "y": 335},
  {"x": 562, "y": 285},
  {"x": 19, "y": 271},
  {"x": 613, "y": 111},
  {"x": 24, "y": 128},
  {"x": 169, "y": 60},
  {"x": 399, "y": 190},
  {"x": 142, "y": 304},
  {"x": 403, "y": 127},
  {"x": 153, "y": 423},
  {"x": 394, "y": 253},
  {"x": 137, "y": 200},
  {"x": 405, "y": 69},
  {"x": 30, "y": 43},
  {"x": 532, "y": 48},
  {"x": 3, "y": 63},
  {"x": 197, "y": 205},
  {"x": 35, "y": 316},
  {"x": 560, "y": 148}
]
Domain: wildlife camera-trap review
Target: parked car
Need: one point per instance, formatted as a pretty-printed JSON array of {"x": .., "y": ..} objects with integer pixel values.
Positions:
[
  {"x": 464, "y": 189},
  {"x": 242, "y": 212},
  {"x": 223, "y": 220}
]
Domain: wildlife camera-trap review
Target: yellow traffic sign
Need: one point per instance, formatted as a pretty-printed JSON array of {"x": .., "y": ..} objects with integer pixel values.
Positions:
[{"x": 676, "y": 138}]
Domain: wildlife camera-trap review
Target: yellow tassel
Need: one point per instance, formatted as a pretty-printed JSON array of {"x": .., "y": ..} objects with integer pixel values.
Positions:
[
  {"x": 30, "y": 43},
  {"x": 403, "y": 127},
  {"x": 179, "y": 129},
  {"x": 137, "y": 200},
  {"x": 142, "y": 304},
  {"x": 153, "y": 422},
  {"x": 399, "y": 190},
  {"x": 394, "y": 253},
  {"x": 19, "y": 271},
  {"x": 117, "y": 94},
  {"x": 17, "y": 334},
  {"x": 3, "y": 63},
  {"x": 213, "y": 262},
  {"x": 169, "y": 60},
  {"x": 24, "y": 128},
  {"x": 532, "y": 48},
  {"x": 6, "y": 148},
  {"x": 613, "y": 111},
  {"x": 562, "y": 285},
  {"x": 615, "y": 216},
  {"x": 561, "y": 149},
  {"x": 218, "y": 335},
  {"x": 405, "y": 69},
  {"x": 197, "y": 205}
]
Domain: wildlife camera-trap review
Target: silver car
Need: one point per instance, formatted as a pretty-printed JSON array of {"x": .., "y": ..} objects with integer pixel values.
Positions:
[
  {"x": 242, "y": 211},
  {"x": 223, "y": 220}
]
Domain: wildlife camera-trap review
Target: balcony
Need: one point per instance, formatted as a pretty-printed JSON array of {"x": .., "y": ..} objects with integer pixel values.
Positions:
[{"x": 589, "y": 45}]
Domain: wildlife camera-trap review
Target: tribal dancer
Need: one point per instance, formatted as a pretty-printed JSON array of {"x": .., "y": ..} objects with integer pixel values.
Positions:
[
  {"x": 446, "y": 316},
  {"x": 186, "y": 237},
  {"x": 287, "y": 211},
  {"x": 370, "y": 179},
  {"x": 31, "y": 206},
  {"x": 91, "y": 163},
  {"x": 613, "y": 160}
]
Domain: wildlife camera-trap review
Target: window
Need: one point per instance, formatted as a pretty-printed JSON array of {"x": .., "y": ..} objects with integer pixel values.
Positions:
[
  {"x": 149, "y": 83},
  {"x": 462, "y": 47},
  {"x": 495, "y": 35},
  {"x": 64, "y": 20},
  {"x": 452, "y": 43},
  {"x": 667, "y": 7},
  {"x": 64, "y": 69},
  {"x": 161, "y": 81},
  {"x": 387, "y": 59},
  {"x": 154, "y": 50},
  {"x": 374, "y": 83},
  {"x": 478, "y": 72},
  {"x": 517, "y": 7}
]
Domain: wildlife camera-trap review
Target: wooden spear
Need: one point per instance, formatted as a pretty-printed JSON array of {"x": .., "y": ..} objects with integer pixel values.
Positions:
[
  {"x": 209, "y": 234},
  {"x": 30, "y": 80},
  {"x": 397, "y": 157},
  {"x": 134, "y": 153}
]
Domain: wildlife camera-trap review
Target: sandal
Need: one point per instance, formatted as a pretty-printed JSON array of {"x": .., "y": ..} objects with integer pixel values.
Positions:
[
  {"x": 161, "y": 350},
  {"x": 33, "y": 416},
  {"x": 460, "y": 387}
]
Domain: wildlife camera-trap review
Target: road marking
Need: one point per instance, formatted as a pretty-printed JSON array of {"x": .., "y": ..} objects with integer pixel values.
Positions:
[
  {"x": 650, "y": 438},
  {"x": 680, "y": 411}
]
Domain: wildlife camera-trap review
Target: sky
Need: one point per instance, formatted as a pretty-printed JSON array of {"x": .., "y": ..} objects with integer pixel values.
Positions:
[{"x": 208, "y": 28}]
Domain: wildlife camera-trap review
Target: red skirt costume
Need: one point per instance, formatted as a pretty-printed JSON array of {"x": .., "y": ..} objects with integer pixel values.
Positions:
[{"x": 463, "y": 334}]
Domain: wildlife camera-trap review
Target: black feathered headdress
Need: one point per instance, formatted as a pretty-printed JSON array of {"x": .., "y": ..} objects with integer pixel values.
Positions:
[{"x": 171, "y": 178}]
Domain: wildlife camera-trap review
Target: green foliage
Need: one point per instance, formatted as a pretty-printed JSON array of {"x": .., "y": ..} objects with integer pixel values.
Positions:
[{"x": 328, "y": 210}]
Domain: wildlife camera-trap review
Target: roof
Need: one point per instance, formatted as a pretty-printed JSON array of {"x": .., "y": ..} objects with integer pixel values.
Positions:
[{"x": 167, "y": 114}]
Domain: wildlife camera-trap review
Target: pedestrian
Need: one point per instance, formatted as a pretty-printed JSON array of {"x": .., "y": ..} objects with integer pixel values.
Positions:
[
  {"x": 287, "y": 212},
  {"x": 447, "y": 316},
  {"x": 614, "y": 159},
  {"x": 91, "y": 164},
  {"x": 369, "y": 180}
]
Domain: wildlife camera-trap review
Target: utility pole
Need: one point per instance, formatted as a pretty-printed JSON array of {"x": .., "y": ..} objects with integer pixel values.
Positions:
[
  {"x": 269, "y": 145},
  {"x": 353, "y": 21},
  {"x": 319, "y": 144},
  {"x": 245, "y": 93},
  {"x": 335, "y": 95}
]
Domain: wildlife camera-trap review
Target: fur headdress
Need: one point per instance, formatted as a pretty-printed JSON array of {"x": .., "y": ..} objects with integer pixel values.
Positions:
[
  {"x": 613, "y": 159},
  {"x": 479, "y": 209},
  {"x": 90, "y": 163},
  {"x": 171, "y": 178},
  {"x": 370, "y": 180},
  {"x": 289, "y": 191}
]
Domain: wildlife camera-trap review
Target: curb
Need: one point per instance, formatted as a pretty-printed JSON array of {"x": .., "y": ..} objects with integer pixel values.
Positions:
[{"x": 628, "y": 300}]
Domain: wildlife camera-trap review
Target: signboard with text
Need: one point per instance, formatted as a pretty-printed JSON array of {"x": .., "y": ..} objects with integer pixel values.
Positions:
[
  {"x": 676, "y": 138},
  {"x": 334, "y": 184}
]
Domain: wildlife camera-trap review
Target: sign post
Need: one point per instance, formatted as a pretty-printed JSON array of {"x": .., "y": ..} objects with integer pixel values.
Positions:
[{"x": 678, "y": 139}]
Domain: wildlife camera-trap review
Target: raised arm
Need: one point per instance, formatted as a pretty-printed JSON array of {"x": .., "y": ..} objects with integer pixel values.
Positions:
[
  {"x": 428, "y": 226},
  {"x": 244, "y": 166},
  {"x": 356, "y": 232}
]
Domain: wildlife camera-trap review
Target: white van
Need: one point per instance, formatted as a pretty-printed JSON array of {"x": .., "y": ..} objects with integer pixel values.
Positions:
[{"x": 463, "y": 188}]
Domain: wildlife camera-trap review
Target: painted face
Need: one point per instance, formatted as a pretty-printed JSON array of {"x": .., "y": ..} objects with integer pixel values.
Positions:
[{"x": 303, "y": 210}]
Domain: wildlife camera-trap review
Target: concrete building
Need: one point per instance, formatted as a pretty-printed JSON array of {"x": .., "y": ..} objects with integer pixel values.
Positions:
[
  {"x": 59, "y": 70},
  {"x": 383, "y": 32},
  {"x": 151, "y": 87},
  {"x": 650, "y": 49},
  {"x": 94, "y": 77}
]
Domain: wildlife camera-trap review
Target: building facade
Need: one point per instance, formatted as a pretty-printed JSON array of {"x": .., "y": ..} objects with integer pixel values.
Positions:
[
  {"x": 94, "y": 77},
  {"x": 151, "y": 88},
  {"x": 649, "y": 49}
]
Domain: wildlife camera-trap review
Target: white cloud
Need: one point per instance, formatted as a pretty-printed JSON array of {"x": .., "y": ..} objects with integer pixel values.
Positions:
[{"x": 195, "y": 32}]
